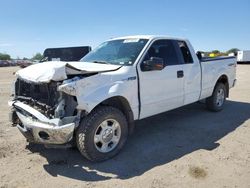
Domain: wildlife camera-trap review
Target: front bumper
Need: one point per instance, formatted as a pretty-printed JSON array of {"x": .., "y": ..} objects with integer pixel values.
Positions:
[{"x": 39, "y": 129}]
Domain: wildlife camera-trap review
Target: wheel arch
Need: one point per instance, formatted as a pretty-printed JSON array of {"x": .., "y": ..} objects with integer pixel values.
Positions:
[
  {"x": 224, "y": 79},
  {"x": 123, "y": 105}
]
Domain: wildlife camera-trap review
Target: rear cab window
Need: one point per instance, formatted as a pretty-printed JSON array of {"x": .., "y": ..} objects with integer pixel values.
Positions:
[{"x": 185, "y": 52}]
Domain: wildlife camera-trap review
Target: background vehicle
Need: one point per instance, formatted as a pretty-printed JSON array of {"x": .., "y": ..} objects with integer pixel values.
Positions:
[
  {"x": 24, "y": 63},
  {"x": 66, "y": 53},
  {"x": 96, "y": 101},
  {"x": 4, "y": 63},
  {"x": 243, "y": 56}
]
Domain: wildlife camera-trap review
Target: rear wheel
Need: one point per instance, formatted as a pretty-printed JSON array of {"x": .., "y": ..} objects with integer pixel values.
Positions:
[
  {"x": 217, "y": 100},
  {"x": 102, "y": 134}
]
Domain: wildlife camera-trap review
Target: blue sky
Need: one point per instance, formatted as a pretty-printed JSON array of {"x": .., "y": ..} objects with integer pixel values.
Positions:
[{"x": 30, "y": 26}]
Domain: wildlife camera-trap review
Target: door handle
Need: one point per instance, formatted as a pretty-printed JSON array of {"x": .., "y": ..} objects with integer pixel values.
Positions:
[{"x": 180, "y": 74}]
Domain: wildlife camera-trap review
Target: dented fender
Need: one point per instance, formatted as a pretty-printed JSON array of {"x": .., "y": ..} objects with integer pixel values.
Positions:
[{"x": 91, "y": 91}]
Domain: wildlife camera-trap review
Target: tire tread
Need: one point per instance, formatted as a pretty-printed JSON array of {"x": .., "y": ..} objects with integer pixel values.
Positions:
[{"x": 86, "y": 127}]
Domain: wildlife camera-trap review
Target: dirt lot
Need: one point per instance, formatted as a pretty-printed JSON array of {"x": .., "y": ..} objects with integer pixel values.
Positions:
[{"x": 187, "y": 147}]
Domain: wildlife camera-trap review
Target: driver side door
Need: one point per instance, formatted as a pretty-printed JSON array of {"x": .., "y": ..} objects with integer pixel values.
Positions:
[{"x": 161, "y": 90}]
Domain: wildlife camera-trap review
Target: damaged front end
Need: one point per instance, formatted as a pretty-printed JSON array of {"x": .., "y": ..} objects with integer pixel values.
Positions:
[
  {"x": 44, "y": 104},
  {"x": 42, "y": 113}
]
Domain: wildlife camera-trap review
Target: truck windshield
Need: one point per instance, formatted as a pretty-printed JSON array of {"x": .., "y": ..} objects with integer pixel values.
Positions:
[{"x": 119, "y": 52}]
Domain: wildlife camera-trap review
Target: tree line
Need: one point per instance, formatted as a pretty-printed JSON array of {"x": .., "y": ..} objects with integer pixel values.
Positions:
[
  {"x": 5, "y": 56},
  {"x": 219, "y": 53}
]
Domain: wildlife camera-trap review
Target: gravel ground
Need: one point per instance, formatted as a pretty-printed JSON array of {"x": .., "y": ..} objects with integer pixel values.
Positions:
[{"x": 187, "y": 147}]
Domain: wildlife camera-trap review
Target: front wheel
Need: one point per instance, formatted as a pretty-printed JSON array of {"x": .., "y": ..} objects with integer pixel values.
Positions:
[
  {"x": 102, "y": 134},
  {"x": 217, "y": 100}
]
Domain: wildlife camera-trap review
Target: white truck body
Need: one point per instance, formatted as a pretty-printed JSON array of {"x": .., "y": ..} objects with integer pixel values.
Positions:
[
  {"x": 243, "y": 56},
  {"x": 145, "y": 93}
]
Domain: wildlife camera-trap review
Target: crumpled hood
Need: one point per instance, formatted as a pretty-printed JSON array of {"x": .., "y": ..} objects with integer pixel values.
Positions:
[{"x": 58, "y": 70}]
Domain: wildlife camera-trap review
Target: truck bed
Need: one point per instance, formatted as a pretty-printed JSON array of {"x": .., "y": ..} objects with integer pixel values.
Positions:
[
  {"x": 204, "y": 59},
  {"x": 212, "y": 69}
]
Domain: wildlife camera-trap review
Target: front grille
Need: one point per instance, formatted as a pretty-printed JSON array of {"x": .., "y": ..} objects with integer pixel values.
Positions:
[{"x": 43, "y": 96}]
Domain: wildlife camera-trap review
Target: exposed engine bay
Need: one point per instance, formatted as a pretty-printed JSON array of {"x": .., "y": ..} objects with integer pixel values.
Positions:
[{"x": 45, "y": 98}]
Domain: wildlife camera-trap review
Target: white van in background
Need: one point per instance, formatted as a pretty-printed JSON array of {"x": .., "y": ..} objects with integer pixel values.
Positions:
[{"x": 243, "y": 56}]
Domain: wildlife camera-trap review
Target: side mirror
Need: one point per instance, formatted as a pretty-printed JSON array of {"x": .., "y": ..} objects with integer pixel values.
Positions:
[
  {"x": 154, "y": 63},
  {"x": 199, "y": 55}
]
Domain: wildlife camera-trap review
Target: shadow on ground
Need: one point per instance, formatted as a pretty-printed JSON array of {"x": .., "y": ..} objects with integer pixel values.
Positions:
[{"x": 156, "y": 141}]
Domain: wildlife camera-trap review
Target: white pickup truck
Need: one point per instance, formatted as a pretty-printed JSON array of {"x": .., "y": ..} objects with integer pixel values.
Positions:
[{"x": 94, "y": 102}]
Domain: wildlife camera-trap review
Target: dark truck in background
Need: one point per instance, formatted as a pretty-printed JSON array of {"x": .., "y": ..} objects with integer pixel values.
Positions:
[
  {"x": 59, "y": 54},
  {"x": 65, "y": 53}
]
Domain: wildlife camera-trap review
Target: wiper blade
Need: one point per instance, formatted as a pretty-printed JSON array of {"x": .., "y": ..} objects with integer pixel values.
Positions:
[{"x": 101, "y": 62}]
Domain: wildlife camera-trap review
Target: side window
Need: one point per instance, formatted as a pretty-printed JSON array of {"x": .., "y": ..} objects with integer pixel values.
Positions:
[
  {"x": 187, "y": 57},
  {"x": 163, "y": 49}
]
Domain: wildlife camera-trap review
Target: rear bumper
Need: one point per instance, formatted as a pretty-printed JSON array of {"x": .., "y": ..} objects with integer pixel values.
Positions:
[{"x": 39, "y": 129}]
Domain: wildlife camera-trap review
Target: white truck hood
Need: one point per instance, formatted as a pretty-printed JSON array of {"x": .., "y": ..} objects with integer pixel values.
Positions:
[{"x": 58, "y": 70}]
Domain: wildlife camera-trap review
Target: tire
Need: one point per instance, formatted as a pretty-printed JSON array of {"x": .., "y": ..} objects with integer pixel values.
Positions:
[
  {"x": 216, "y": 102},
  {"x": 95, "y": 131}
]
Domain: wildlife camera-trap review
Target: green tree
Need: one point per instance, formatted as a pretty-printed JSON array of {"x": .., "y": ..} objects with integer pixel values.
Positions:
[
  {"x": 233, "y": 50},
  {"x": 37, "y": 56},
  {"x": 215, "y": 52},
  {"x": 4, "y": 56}
]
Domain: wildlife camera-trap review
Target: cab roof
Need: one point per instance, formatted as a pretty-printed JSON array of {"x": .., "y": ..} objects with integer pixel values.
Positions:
[{"x": 150, "y": 37}]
